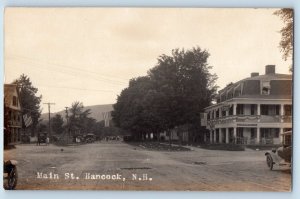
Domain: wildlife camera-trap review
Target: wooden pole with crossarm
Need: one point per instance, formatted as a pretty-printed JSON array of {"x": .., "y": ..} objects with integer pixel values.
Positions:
[{"x": 49, "y": 127}]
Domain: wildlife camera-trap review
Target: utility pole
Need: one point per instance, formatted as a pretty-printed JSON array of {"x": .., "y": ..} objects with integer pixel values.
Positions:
[
  {"x": 67, "y": 116},
  {"x": 49, "y": 128}
]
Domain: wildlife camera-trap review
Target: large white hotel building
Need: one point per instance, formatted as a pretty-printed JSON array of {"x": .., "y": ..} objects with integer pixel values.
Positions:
[{"x": 255, "y": 110}]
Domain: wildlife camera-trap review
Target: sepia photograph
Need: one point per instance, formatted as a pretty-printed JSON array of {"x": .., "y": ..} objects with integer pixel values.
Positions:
[{"x": 160, "y": 99}]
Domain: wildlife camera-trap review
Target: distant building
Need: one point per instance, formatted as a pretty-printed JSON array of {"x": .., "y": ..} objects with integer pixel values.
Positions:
[
  {"x": 12, "y": 114},
  {"x": 255, "y": 110}
]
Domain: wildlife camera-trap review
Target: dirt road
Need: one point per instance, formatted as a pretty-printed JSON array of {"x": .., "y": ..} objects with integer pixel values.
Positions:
[{"x": 119, "y": 166}]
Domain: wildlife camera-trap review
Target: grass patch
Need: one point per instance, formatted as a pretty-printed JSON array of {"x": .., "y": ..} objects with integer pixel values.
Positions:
[
  {"x": 263, "y": 147},
  {"x": 156, "y": 146},
  {"x": 224, "y": 147}
]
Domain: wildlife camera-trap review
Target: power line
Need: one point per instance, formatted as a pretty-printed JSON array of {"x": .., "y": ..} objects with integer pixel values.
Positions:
[
  {"x": 65, "y": 66},
  {"x": 121, "y": 80},
  {"x": 84, "y": 89},
  {"x": 77, "y": 75}
]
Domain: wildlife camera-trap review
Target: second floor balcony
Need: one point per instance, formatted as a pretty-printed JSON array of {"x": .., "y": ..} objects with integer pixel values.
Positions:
[{"x": 250, "y": 119}]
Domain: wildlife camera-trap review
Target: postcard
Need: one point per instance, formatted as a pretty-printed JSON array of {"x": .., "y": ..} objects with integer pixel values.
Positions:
[{"x": 163, "y": 99}]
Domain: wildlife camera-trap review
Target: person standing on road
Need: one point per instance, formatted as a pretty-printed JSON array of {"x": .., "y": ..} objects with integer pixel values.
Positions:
[
  {"x": 47, "y": 140},
  {"x": 38, "y": 140}
]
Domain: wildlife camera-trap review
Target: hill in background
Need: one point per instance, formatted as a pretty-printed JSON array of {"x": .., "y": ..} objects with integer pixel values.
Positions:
[{"x": 96, "y": 112}]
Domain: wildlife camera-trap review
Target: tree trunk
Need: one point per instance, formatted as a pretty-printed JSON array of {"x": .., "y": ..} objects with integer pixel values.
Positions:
[
  {"x": 180, "y": 137},
  {"x": 170, "y": 137},
  {"x": 158, "y": 136}
]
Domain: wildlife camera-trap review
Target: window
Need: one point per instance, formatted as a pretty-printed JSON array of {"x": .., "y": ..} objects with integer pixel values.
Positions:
[
  {"x": 269, "y": 133},
  {"x": 15, "y": 102},
  {"x": 270, "y": 109},
  {"x": 253, "y": 133},
  {"x": 264, "y": 110},
  {"x": 231, "y": 110},
  {"x": 240, "y": 132},
  {"x": 253, "y": 108},
  {"x": 217, "y": 135},
  {"x": 265, "y": 88},
  {"x": 240, "y": 109},
  {"x": 223, "y": 113},
  {"x": 288, "y": 110},
  {"x": 277, "y": 109}
]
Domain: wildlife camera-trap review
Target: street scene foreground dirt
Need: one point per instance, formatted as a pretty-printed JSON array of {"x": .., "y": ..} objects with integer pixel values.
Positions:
[{"x": 119, "y": 166}]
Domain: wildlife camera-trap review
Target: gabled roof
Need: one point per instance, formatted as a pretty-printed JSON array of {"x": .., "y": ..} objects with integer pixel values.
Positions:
[{"x": 11, "y": 90}]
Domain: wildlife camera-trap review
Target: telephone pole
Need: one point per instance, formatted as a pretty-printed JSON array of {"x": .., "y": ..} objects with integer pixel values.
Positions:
[
  {"x": 49, "y": 128},
  {"x": 67, "y": 116}
]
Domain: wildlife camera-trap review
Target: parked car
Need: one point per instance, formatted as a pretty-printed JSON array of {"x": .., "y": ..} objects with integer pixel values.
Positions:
[
  {"x": 90, "y": 138},
  {"x": 128, "y": 138},
  {"x": 10, "y": 174},
  {"x": 282, "y": 155}
]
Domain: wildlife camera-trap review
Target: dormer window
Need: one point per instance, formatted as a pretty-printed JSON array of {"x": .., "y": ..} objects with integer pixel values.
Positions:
[{"x": 265, "y": 88}]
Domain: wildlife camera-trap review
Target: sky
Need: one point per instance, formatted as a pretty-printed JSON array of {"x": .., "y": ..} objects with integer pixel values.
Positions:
[{"x": 89, "y": 54}]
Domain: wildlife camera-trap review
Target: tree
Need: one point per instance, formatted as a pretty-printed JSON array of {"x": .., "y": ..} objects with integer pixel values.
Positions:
[
  {"x": 41, "y": 127},
  {"x": 88, "y": 125},
  {"x": 130, "y": 111},
  {"x": 29, "y": 100},
  {"x": 286, "y": 43},
  {"x": 57, "y": 124},
  {"x": 97, "y": 129},
  {"x": 186, "y": 86},
  {"x": 173, "y": 93},
  {"x": 79, "y": 120}
]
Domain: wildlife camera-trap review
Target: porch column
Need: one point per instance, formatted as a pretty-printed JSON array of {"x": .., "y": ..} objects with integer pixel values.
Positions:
[
  {"x": 227, "y": 135},
  {"x": 280, "y": 135},
  {"x": 215, "y": 136},
  {"x": 258, "y": 109},
  {"x": 234, "y": 109},
  {"x": 258, "y": 135},
  {"x": 258, "y": 112},
  {"x": 281, "y": 112},
  {"x": 234, "y": 134},
  {"x": 220, "y": 135},
  {"x": 211, "y": 136}
]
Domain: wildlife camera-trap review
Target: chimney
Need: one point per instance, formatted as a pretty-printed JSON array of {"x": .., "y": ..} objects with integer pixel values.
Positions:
[
  {"x": 254, "y": 74},
  {"x": 270, "y": 69}
]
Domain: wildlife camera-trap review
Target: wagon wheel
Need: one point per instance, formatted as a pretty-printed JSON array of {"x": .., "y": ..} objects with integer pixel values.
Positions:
[{"x": 270, "y": 161}]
